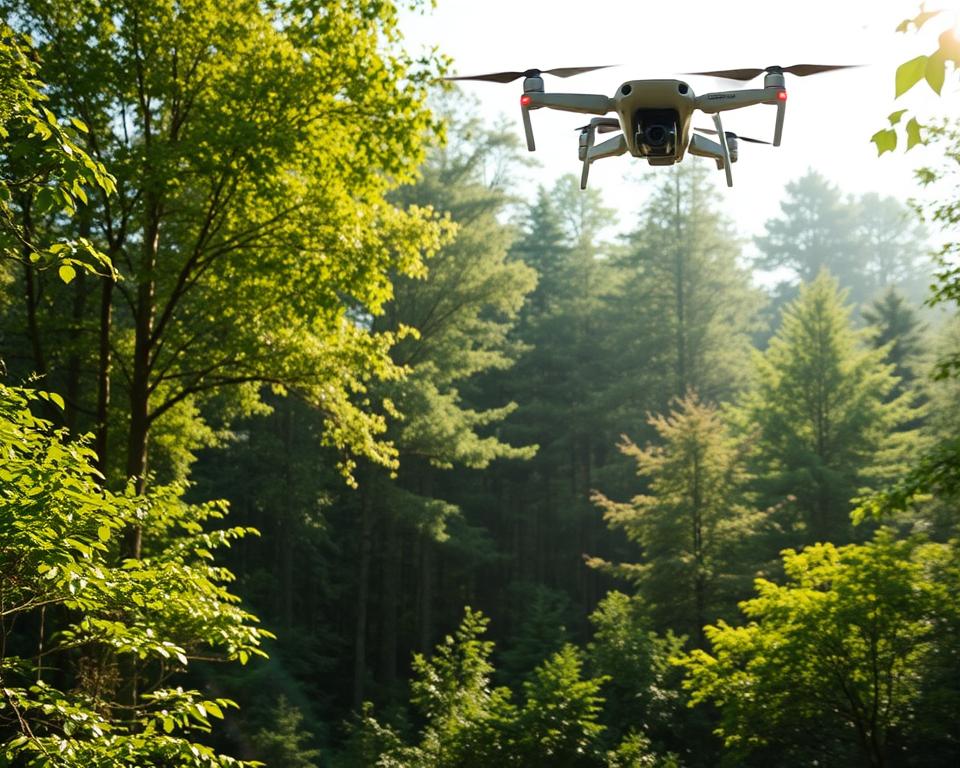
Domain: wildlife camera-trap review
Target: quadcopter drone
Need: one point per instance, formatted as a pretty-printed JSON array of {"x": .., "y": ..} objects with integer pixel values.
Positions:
[{"x": 654, "y": 116}]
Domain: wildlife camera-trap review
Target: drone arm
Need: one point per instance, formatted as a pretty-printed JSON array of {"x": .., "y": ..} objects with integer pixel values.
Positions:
[
  {"x": 587, "y": 103},
  {"x": 712, "y": 103}
]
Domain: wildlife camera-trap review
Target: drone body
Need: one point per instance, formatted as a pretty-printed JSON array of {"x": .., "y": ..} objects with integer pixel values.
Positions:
[{"x": 654, "y": 117}]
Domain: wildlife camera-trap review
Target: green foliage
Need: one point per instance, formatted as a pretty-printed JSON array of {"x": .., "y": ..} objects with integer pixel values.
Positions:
[
  {"x": 635, "y": 752},
  {"x": 284, "y": 742},
  {"x": 149, "y": 618},
  {"x": 894, "y": 325},
  {"x": 641, "y": 690},
  {"x": 43, "y": 170},
  {"x": 539, "y": 630},
  {"x": 821, "y": 403},
  {"x": 558, "y": 723},
  {"x": 840, "y": 650},
  {"x": 468, "y": 724},
  {"x": 931, "y": 68},
  {"x": 689, "y": 523}
]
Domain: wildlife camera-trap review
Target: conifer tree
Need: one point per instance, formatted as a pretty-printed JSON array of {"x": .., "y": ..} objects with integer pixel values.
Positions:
[
  {"x": 686, "y": 308},
  {"x": 895, "y": 326},
  {"x": 690, "y": 521},
  {"x": 827, "y": 428}
]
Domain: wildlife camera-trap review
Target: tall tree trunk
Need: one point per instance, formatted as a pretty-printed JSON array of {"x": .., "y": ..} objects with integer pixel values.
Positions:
[
  {"x": 363, "y": 596},
  {"x": 71, "y": 394},
  {"x": 103, "y": 375},
  {"x": 30, "y": 292},
  {"x": 80, "y": 291},
  {"x": 140, "y": 385},
  {"x": 426, "y": 595},
  {"x": 389, "y": 593},
  {"x": 426, "y": 574},
  {"x": 286, "y": 537},
  {"x": 680, "y": 298}
]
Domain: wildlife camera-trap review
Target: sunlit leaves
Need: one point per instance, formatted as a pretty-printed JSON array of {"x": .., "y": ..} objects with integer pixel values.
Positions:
[
  {"x": 910, "y": 73},
  {"x": 44, "y": 169},
  {"x": 931, "y": 67},
  {"x": 58, "y": 533},
  {"x": 839, "y": 649}
]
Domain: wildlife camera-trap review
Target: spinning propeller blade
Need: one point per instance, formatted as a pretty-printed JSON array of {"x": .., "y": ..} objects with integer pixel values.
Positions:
[
  {"x": 735, "y": 135},
  {"x": 507, "y": 77},
  {"x": 800, "y": 70}
]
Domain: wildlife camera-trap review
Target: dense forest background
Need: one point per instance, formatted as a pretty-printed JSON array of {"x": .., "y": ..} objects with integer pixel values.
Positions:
[{"x": 510, "y": 479}]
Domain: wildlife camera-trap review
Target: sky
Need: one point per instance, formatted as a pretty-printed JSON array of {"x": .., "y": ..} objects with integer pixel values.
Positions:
[{"x": 829, "y": 120}]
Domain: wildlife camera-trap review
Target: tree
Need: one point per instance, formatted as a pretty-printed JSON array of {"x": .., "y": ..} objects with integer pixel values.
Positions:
[
  {"x": 469, "y": 724},
  {"x": 691, "y": 519},
  {"x": 558, "y": 725},
  {"x": 821, "y": 405},
  {"x": 830, "y": 665},
  {"x": 283, "y": 742},
  {"x": 815, "y": 231},
  {"x": 641, "y": 692},
  {"x": 253, "y": 146},
  {"x": 895, "y": 327},
  {"x": 73, "y": 613},
  {"x": 686, "y": 308}
]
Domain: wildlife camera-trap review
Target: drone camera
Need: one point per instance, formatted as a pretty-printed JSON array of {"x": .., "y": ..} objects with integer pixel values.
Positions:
[{"x": 656, "y": 132}]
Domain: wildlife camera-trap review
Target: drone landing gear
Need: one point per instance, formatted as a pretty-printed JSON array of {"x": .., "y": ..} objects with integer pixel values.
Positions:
[
  {"x": 609, "y": 148},
  {"x": 724, "y": 151}
]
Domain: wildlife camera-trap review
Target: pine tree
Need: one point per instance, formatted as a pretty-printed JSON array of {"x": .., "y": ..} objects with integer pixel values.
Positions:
[
  {"x": 895, "y": 326},
  {"x": 689, "y": 523},
  {"x": 685, "y": 309},
  {"x": 821, "y": 405}
]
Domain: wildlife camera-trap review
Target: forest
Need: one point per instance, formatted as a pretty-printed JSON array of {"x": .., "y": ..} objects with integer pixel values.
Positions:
[{"x": 324, "y": 443}]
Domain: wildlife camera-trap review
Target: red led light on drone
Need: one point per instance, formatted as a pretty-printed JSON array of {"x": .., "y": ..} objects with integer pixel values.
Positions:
[
  {"x": 782, "y": 95},
  {"x": 525, "y": 100}
]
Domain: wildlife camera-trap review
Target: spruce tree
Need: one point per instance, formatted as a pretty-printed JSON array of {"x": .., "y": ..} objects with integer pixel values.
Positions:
[
  {"x": 826, "y": 425},
  {"x": 690, "y": 522},
  {"x": 685, "y": 308}
]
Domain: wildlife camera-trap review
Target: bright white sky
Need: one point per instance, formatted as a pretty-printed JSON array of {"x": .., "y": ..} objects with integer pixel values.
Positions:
[{"x": 830, "y": 117}]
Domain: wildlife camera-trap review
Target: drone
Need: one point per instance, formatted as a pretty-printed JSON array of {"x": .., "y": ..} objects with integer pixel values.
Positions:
[{"x": 654, "y": 116}]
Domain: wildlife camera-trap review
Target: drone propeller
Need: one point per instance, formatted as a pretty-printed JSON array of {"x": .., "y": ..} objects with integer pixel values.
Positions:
[
  {"x": 800, "y": 70},
  {"x": 731, "y": 134},
  {"x": 507, "y": 77}
]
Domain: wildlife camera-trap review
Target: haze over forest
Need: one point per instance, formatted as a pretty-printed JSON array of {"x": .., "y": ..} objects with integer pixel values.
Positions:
[{"x": 326, "y": 440}]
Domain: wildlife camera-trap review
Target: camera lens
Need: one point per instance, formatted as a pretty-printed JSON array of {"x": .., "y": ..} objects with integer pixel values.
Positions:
[{"x": 656, "y": 135}]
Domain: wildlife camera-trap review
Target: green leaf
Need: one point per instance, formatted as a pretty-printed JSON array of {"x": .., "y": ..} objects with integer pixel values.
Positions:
[
  {"x": 894, "y": 117},
  {"x": 79, "y": 125},
  {"x": 909, "y": 74},
  {"x": 67, "y": 273},
  {"x": 935, "y": 72},
  {"x": 913, "y": 133},
  {"x": 103, "y": 533},
  {"x": 886, "y": 140},
  {"x": 45, "y": 199}
]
